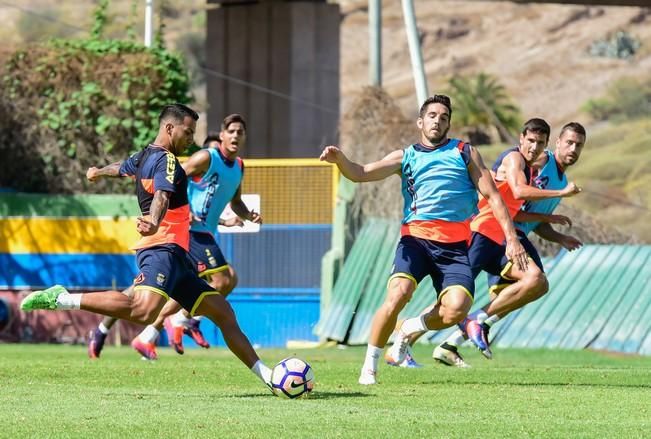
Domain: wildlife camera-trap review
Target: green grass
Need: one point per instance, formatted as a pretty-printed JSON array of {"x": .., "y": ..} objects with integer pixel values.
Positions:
[{"x": 55, "y": 391}]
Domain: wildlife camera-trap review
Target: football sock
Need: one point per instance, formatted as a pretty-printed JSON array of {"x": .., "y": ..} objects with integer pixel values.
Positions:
[
  {"x": 179, "y": 319},
  {"x": 448, "y": 346},
  {"x": 102, "y": 328},
  {"x": 479, "y": 315},
  {"x": 456, "y": 339},
  {"x": 69, "y": 301},
  {"x": 262, "y": 371},
  {"x": 490, "y": 321},
  {"x": 413, "y": 325},
  {"x": 372, "y": 356},
  {"x": 149, "y": 334}
]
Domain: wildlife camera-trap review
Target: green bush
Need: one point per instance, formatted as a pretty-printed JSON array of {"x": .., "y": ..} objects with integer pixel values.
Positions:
[
  {"x": 625, "y": 99},
  {"x": 70, "y": 104}
]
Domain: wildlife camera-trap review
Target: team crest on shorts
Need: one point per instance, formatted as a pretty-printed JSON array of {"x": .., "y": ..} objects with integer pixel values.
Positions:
[
  {"x": 160, "y": 279},
  {"x": 212, "y": 261},
  {"x": 139, "y": 279}
]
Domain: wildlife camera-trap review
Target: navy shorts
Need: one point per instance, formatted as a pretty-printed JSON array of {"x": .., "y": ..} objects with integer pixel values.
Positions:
[
  {"x": 489, "y": 256},
  {"x": 205, "y": 254},
  {"x": 446, "y": 263},
  {"x": 168, "y": 271}
]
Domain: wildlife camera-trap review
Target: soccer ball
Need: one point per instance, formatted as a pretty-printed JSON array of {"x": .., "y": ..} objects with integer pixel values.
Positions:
[{"x": 292, "y": 378}]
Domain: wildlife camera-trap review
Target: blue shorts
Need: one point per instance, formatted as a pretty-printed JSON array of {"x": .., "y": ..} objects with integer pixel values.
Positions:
[
  {"x": 446, "y": 263},
  {"x": 168, "y": 271},
  {"x": 485, "y": 254},
  {"x": 205, "y": 254}
]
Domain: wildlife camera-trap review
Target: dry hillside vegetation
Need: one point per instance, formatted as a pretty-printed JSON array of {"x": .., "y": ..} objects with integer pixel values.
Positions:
[{"x": 539, "y": 52}]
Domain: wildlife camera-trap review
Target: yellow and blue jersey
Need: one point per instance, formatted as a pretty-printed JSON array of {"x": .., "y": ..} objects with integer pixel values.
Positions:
[{"x": 210, "y": 193}]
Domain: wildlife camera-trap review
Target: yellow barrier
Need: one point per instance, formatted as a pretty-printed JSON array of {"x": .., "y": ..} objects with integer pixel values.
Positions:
[
  {"x": 293, "y": 191},
  {"x": 67, "y": 235}
]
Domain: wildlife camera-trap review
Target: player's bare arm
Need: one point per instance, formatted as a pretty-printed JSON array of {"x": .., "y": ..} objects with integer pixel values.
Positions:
[
  {"x": 514, "y": 166},
  {"x": 159, "y": 204},
  {"x": 94, "y": 173},
  {"x": 379, "y": 170},
  {"x": 241, "y": 210},
  {"x": 547, "y": 232},
  {"x": 197, "y": 164},
  {"x": 533, "y": 217},
  {"x": 484, "y": 183}
]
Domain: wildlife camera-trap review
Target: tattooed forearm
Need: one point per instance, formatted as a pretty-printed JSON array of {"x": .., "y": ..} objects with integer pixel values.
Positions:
[
  {"x": 159, "y": 206},
  {"x": 112, "y": 170}
]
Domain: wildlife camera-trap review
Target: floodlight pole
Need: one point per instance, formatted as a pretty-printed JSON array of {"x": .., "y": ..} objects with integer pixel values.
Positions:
[
  {"x": 375, "y": 42},
  {"x": 414, "y": 51},
  {"x": 149, "y": 17}
]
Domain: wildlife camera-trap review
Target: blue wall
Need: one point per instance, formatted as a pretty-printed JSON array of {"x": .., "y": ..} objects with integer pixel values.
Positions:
[{"x": 279, "y": 271}]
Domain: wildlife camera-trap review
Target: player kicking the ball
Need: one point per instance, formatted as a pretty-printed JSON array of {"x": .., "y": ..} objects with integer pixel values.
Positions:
[
  {"x": 165, "y": 268},
  {"x": 215, "y": 175}
]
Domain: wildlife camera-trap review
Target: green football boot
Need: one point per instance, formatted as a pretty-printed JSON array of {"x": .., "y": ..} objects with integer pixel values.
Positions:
[{"x": 46, "y": 299}]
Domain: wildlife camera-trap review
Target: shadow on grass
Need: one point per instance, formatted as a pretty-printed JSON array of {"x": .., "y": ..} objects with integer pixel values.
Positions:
[
  {"x": 538, "y": 384},
  {"x": 316, "y": 395},
  {"x": 332, "y": 395}
]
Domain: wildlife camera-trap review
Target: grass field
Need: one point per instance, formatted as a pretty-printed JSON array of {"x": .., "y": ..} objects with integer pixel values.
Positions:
[{"x": 55, "y": 391}]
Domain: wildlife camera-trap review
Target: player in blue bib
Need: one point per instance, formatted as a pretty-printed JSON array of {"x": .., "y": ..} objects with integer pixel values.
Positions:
[
  {"x": 440, "y": 177},
  {"x": 214, "y": 179},
  {"x": 536, "y": 216}
]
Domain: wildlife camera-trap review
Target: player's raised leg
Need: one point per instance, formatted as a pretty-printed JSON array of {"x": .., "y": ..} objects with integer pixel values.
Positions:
[
  {"x": 140, "y": 307},
  {"x": 97, "y": 336}
]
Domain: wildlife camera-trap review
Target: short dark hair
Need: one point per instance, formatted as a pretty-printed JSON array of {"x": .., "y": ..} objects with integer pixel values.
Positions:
[
  {"x": 213, "y": 136},
  {"x": 436, "y": 99},
  {"x": 573, "y": 126},
  {"x": 235, "y": 117},
  {"x": 536, "y": 125},
  {"x": 177, "y": 112}
]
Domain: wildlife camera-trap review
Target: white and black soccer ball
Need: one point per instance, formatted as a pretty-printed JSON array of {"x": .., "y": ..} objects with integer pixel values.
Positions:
[{"x": 292, "y": 378}]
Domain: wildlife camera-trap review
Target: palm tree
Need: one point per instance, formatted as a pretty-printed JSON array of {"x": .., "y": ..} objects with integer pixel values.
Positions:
[{"x": 483, "y": 107}]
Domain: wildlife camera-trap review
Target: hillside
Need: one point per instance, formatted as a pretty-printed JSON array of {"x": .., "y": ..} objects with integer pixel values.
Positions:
[{"x": 539, "y": 52}]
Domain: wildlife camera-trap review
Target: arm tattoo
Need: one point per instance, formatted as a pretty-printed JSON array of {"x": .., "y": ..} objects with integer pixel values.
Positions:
[
  {"x": 159, "y": 206},
  {"x": 112, "y": 170}
]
